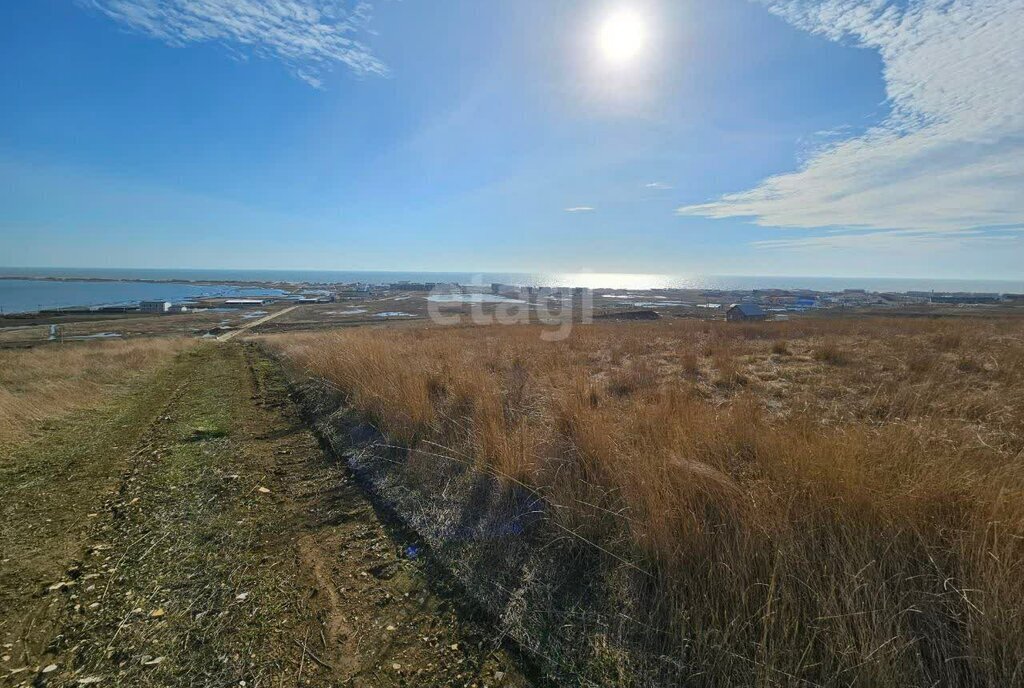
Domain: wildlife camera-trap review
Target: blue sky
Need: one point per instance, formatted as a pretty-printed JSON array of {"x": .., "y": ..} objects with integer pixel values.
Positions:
[{"x": 786, "y": 137}]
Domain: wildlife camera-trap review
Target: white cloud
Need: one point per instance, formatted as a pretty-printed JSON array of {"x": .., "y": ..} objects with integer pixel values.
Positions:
[
  {"x": 659, "y": 186},
  {"x": 949, "y": 156},
  {"x": 579, "y": 209},
  {"x": 895, "y": 241},
  {"x": 308, "y": 35}
]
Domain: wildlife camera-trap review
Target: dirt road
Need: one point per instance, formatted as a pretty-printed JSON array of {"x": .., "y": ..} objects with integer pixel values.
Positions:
[
  {"x": 194, "y": 534},
  {"x": 228, "y": 336}
]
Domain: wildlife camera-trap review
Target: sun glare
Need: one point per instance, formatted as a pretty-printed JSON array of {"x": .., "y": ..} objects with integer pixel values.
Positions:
[{"x": 622, "y": 36}]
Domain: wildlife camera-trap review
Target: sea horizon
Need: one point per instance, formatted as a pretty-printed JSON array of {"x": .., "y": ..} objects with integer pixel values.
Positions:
[{"x": 593, "y": 280}]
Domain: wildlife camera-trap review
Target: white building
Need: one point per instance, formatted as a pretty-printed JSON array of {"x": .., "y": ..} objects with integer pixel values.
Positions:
[{"x": 246, "y": 303}]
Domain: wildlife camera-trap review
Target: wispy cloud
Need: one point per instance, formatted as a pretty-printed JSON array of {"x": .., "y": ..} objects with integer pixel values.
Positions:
[
  {"x": 660, "y": 186},
  {"x": 948, "y": 157},
  {"x": 579, "y": 209},
  {"x": 895, "y": 241},
  {"x": 310, "y": 36}
]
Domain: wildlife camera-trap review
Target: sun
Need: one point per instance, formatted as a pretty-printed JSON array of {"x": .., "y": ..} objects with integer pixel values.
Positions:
[{"x": 622, "y": 36}]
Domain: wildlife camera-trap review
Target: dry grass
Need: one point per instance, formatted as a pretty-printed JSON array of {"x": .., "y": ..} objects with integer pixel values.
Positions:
[
  {"x": 809, "y": 517},
  {"x": 47, "y": 381},
  {"x": 830, "y": 351}
]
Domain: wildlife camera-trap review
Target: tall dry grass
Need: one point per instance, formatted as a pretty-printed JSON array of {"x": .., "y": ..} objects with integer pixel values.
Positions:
[
  {"x": 849, "y": 514},
  {"x": 45, "y": 382}
]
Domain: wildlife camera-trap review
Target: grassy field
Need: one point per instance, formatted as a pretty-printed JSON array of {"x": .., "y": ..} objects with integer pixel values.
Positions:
[
  {"x": 46, "y": 382},
  {"x": 807, "y": 502}
]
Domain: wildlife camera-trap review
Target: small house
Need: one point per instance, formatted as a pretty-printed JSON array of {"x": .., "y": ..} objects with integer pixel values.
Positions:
[{"x": 745, "y": 311}]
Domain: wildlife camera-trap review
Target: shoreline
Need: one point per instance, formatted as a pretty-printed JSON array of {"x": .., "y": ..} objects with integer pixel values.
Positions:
[
  {"x": 143, "y": 280},
  {"x": 594, "y": 281},
  {"x": 86, "y": 308}
]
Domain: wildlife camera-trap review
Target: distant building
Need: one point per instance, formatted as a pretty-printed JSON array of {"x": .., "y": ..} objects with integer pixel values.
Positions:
[
  {"x": 178, "y": 308},
  {"x": 804, "y": 304},
  {"x": 155, "y": 306},
  {"x": 857, "y": 297},
  {"x": 246, "y": 303},
  {"x": 745, "y": 311},
  {"x": 966, "y": 298},
  {"x": 406, "y": 285}
]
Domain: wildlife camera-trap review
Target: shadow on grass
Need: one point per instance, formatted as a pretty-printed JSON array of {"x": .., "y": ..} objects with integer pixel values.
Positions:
[{"x": 203, "y": 434}]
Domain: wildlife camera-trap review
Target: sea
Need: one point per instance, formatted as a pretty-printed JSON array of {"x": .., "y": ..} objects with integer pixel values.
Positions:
[{"x": 27, "y": 295}]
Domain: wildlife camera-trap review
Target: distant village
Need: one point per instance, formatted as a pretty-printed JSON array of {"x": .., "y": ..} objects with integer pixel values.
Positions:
[{"x": 756, "y": 304}]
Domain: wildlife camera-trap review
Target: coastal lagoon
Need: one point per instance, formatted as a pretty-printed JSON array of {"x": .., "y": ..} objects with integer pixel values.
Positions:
[{"x": 29, "y": 295}]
